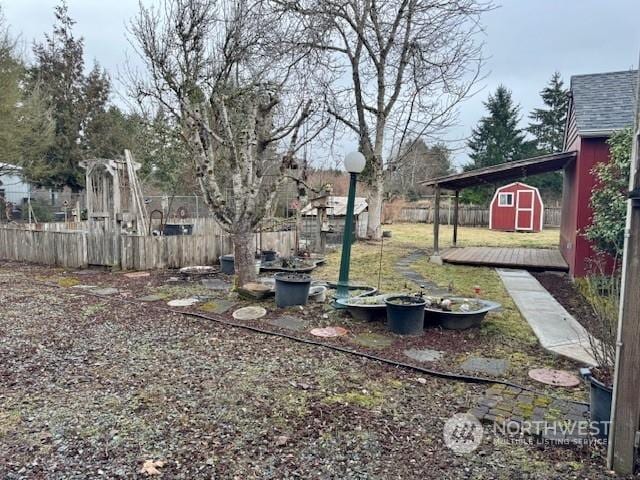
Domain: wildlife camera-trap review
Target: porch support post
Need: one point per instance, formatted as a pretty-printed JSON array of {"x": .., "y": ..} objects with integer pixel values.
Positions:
[
  {"x": 435, "y": 258},
  {"x": 456, "y": 200}
]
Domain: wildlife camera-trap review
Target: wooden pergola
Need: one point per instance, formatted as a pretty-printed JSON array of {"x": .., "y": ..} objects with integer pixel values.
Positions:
[{"x": 488, "y": 176}]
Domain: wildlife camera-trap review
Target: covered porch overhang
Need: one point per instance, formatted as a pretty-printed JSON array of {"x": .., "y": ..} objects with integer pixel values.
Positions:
[{"x": 513, "y": 170}]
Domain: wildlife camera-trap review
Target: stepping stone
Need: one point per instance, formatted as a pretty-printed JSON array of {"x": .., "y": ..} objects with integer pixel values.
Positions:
[
  {"x": 219, "y": 306},
  {"x": 249, "y": 313},
  {"x": 487, "y": 366},
  {"x": 557, "y": 378},
  {"x": 105, "y": 291},
  {"x": 424, "y": 355},
  {"x": 328, "y": 332},
  {"x": 182, "y": 302},
  {"x": 215, "y": 284},
  {"x": 373, "y": 340},
  {"x": 137, "y": 274},
  {"x": 150, "y": 298},
  {"x": 289, "y": 323}
]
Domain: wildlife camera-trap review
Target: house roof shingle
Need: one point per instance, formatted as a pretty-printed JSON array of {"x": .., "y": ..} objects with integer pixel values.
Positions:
[{"x": 604, "y": 101}]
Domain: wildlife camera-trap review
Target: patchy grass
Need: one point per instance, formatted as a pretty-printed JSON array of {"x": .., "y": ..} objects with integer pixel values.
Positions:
[{"x": 421, "y": 234}]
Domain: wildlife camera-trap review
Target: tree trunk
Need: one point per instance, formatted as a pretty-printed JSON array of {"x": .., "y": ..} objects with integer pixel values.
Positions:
[
  {"x": 244, "y": 259},
  {"x": 374, "y": 201}
]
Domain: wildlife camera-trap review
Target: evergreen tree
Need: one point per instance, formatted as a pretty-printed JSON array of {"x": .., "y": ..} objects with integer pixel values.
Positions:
[
  {"x": 496, "y": 139},
  {"x": 547, "y": 126},
  {"x": 76, "y": 101},
  {"x": 26, "y": 127},
  {"x": 548, "y": 123}
]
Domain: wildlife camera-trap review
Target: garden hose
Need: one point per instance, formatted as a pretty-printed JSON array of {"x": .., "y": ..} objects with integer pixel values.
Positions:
[{"x": 394, "y": 363}]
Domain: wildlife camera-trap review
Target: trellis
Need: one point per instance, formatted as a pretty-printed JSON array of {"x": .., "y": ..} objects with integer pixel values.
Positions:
[{"x": 114, "y": 194}]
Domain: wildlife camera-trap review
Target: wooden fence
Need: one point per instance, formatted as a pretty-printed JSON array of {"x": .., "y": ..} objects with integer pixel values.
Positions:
[
  {"x": 63, "y": 249},
  {"x": 77, "y": 245},
  {"x": 468, "y": 216}
]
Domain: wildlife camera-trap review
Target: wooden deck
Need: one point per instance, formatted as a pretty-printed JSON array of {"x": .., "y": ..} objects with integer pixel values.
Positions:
[{"x": 526, "y": 258}]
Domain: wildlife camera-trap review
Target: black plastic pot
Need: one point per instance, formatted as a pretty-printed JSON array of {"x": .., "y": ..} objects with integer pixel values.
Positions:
[
  {"x": 268, "y": 255},
  {"x": 600, "y": 397},
  {"x": 227, "y": 264},
  {"x": 292, "y": 289},
  {"x": 405, "y": 314}
]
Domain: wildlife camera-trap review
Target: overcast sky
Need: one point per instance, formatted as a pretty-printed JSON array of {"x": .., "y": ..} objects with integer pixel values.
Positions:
[{"x": 526, "y": 41}]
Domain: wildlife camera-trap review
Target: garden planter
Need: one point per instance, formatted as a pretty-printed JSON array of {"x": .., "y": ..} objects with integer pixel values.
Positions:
[
  {"x": 405, "y": 314},
  {"x": 292, "y": 264},
  {"x": 269, "y": 255},
  {"x": 600, "y": 403},
  {"x": 458, "y": 319},
  {"x": 292, "y": 289},
  {"x": 227, "y": 264},
  {"x": 367, "y": 309}
]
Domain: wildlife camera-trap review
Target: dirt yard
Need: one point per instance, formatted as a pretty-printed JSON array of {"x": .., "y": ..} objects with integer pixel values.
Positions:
[{"x": 94, "y": 387}]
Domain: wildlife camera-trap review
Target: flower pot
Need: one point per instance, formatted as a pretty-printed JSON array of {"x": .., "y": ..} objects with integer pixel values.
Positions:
[
  {"x": 292, "y": 289},
  {"x": 405, "y": 314},
  {"x": 269, "y": 255},
  {"x": 227, "y": 264},
  {"x": 600, "y": 400},
  {"x": 318, "y": 293}
]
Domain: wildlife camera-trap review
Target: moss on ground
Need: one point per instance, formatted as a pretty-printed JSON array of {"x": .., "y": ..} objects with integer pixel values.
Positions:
[{"x": 362, "y": 398}]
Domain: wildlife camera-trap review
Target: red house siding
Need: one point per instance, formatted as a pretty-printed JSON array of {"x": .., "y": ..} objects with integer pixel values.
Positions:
[{"x": 576, "y": 212}]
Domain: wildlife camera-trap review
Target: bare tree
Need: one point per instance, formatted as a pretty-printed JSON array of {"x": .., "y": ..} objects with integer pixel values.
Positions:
[
  {"x": 218, "y": 69},
  {"x": 397, "y": 70}
]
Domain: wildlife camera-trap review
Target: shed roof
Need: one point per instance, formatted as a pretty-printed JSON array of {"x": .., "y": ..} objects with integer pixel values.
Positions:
[
  {"x": 337, "y": 206},
  {"x": 604, "y": 102},
  {"x": 504, "y": 171}
]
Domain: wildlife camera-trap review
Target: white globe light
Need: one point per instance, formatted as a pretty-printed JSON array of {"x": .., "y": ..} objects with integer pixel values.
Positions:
[{"x": 354, "y": 162}]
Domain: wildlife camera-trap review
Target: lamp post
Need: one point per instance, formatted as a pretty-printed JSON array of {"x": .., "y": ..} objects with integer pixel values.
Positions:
[{"x": 354, "y": 162}]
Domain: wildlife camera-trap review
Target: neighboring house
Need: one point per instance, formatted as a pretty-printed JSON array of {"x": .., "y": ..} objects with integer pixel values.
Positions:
[
  {"x": 516, "y": 207},
  {"x": 12, "y": 187},
  {"x": 600, "y": 104}
]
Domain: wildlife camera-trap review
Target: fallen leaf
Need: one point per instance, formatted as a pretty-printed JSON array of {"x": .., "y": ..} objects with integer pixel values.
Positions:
[
  {"x": 150, "y": 467},
  {"x": 281, "y": 440}
]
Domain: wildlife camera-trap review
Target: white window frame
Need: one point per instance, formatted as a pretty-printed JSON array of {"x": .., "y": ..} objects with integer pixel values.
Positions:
[{"x": 508, "y": 195}]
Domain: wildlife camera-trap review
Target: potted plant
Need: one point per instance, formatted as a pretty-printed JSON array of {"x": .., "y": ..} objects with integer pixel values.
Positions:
[
  {"x": 603, "y": 293},
  {"x": 292, "y": 289},
  {"x": 405, "y": 314}
]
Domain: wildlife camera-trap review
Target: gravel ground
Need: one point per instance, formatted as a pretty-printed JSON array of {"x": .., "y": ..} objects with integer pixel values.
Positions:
[{"x": 95, "y": 387}]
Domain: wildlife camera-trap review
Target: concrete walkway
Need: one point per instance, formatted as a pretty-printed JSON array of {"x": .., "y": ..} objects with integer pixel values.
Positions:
[{"x": 557, "y": 330}]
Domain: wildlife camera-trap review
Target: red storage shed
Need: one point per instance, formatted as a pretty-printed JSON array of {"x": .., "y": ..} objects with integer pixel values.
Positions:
[{"x": 516, "y": 207}]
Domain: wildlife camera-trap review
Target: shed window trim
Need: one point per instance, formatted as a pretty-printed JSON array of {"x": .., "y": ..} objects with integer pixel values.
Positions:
[{"x": 505, "y": 199}]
